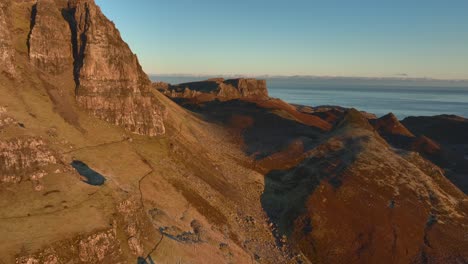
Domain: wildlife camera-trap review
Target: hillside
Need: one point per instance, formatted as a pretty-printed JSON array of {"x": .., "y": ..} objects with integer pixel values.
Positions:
[{"x": 98, "y": 166}]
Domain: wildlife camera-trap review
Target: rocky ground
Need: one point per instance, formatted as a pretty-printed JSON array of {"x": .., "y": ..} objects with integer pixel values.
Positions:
[{"x": 207, "y": 172}]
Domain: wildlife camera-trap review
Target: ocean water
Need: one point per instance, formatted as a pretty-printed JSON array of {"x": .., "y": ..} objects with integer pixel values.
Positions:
[{"x": 401, "y": 97}]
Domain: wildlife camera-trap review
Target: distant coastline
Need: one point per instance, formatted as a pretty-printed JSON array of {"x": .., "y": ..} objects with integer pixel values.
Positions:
[
  {"x": 402, "y": 96},
  {"x": 403, "y": 79}
]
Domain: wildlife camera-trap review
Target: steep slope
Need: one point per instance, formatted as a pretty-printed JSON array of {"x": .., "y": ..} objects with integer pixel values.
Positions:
[
  {"x": 167, "y": 198},
  {"x": 110, "y": 83},
  {"x": 447, "y": 129},
  {"x": 355, "y": 200},
  {"x": 250, "y": 180},
  {"x": 340, "y": 193},
  {"x": 439, "y": 139},
  {"x": 389, "y": 125},
  {"x": 447, "y": 133}
]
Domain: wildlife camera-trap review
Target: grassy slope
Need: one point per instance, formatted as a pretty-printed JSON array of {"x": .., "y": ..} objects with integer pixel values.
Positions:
[{"x": 187, "y": 174}]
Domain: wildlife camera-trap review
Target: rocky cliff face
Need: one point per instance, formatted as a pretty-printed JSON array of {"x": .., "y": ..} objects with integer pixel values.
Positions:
[
  {"x": 217, "y": 88},
  {"x": 250, "y": 87},
  {"x": 6, "y": 50},
  {"x": 110, "y": 82},
  {"x": 50, "y": 46}
]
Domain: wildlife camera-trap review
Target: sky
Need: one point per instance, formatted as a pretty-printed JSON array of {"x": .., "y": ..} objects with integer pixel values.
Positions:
[{"x": 357, "y": 38}]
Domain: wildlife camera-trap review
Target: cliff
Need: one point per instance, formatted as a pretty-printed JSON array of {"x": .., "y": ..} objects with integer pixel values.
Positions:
[
  {"x": 50, "y": 46},
  {"x": 217, "y": 88},
  {"x": 6, "y": 49},
  {"x": 110, "y": 83}
]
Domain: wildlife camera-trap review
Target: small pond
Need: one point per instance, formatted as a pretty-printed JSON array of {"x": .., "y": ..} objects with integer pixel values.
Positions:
[
  {"x": 92, "y": 177},
  {"x": 148, "y": 260}
]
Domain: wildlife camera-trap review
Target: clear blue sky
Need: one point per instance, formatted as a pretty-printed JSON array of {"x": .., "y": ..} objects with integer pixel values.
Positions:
[{"x": 420, "y": 38}]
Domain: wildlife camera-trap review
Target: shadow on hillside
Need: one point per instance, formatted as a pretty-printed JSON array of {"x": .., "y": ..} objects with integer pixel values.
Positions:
[
  {"x": 286, "y": 191},
  {"x": 439, "y": 139},
  {"x": 263, "y": 131}
]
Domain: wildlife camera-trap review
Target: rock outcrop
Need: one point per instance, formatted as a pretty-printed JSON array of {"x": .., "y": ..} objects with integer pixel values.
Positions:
[
  {"x": 161, "y": 86},
  {"x": 7, "y": 52},
  {"x": 23, "y": 158},
  {"x": 99, "y": 247},
  {"x": 249, "y": 88},
  {"x": 217, "y": 88},
  {"x": 5, "y": 119},
  {"x": 50, "y": 45},
  {"x": 110, "y": 81}
]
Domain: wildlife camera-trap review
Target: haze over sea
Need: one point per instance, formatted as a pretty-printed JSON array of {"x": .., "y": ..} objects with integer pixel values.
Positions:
[{"x": 403, "y": 97}]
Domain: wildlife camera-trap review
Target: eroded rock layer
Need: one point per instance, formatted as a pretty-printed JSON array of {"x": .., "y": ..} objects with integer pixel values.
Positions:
[
  {"x": 110, "y": 82},
  {"x": 100, "y": 247},
  {"x": 50, "y": 46},
  {"x": 217, "y": 88},
  {"x": 6, "y": 49},
  {"x": 24, "y": 157}
]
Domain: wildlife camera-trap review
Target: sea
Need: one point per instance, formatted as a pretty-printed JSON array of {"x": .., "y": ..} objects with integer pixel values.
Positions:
[{"x": 402, "y": 97}]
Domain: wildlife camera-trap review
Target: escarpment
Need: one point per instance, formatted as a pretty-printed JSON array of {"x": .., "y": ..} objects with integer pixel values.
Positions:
[
  {"x": 6, "y": 49},
  {"x": 50, "y": 47},
  {"x": 217, "y": 88},
  {"x": 110, "y": 82}
]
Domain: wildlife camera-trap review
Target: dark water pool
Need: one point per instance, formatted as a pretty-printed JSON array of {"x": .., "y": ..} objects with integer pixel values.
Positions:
[
  {"x": 92, "y": 177},
  {"x": 148, "y": 260}
]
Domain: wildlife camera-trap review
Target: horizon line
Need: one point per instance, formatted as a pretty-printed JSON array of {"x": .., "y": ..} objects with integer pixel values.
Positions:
[{"x": 402, "y": 78}]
